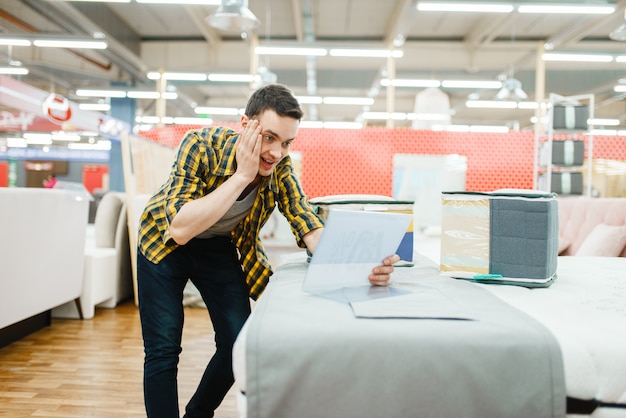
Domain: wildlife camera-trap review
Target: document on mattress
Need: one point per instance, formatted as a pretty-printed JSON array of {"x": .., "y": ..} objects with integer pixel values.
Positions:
[
  {"x": 352, "y": 244},
  {"x": 424, "y": 302}
]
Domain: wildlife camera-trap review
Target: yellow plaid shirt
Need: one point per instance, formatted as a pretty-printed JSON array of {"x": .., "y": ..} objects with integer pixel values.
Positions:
[{"x": 206, "y": 159}]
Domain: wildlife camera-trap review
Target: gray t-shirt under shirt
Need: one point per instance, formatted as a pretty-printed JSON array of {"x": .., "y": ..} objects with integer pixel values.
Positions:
[{"x": 239, "y": 210}]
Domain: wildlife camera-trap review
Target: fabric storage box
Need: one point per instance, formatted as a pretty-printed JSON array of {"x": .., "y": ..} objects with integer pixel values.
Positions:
[
  {"x": 500, "y": 237},
  {"x": 564, "y": 153},
  {"x": 374, "y": 203},
  {"x": 570, "y": 117},
  {"x": 564, "y": 182}
]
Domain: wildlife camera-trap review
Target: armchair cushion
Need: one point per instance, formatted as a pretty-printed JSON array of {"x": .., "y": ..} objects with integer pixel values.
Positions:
[{"x": 604, "y": 241}]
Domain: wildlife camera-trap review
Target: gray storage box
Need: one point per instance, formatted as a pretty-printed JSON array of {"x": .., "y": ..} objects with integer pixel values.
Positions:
[
  {"x": 568, "y": 153},
  {"x": 570, "y": 117},
  {"x": 564, "y": 182},
  {"x": 500, "y": 237}
]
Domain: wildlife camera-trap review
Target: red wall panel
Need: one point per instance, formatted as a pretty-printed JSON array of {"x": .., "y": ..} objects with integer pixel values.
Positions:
[{"x": 339, "y": 161}]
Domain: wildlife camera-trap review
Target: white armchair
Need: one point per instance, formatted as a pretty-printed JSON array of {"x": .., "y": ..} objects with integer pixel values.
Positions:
[{"x": 107, "y": 271}]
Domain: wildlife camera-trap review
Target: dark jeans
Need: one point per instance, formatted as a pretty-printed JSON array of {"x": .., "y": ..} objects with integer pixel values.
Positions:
[{"x": 213, "y": 267}]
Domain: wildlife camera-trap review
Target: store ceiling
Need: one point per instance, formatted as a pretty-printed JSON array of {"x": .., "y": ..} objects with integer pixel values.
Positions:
[{"x": 438, "y": 45}]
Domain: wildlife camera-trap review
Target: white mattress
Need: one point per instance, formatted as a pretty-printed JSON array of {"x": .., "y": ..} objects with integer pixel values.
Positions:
[{"x": 585, "y": 309}]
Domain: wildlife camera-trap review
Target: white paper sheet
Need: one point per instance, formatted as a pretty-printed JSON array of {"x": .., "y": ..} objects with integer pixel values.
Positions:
[{"x": 352, "y": 244}]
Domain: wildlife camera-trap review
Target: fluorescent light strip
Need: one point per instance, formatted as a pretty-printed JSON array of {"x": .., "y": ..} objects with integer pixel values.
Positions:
[
  {"x": 309, "y": 99},
  {"x": 137, "y": 94},
  {"x": 98, "y": 107},
  {"x": 361, "y": 101},
  {"x": 605, "y": 122},
  {"x": 17, "y": 143},
  {"x": 207, "y": 110},
  {"x": 233, "y": 78},
  {"x": 566, "y": 9},
  {"x": 15, "y": 42},
  {"x": 65, "y": 136},
  {"x": 384, "y": 116},
  {"x": 143, "y": 94},
  {"x": 471, "y": 84},
  {"x": 102, "y": 145},
  {"x": 500, "y": 104},
  {"x": 202, "y": 2},
  {"x": 59, "y": 43},
  {"x": 410, "y": 83},
  {"x": 491, "y": 104},
  {"x": 464, "y": 7},
  {"x": 101, "y": 93},
  {"x": 367, "y": 53},
  {"x": 131, "y": 94},
  {"x": 549, "y": 56},
  {"x": 105, "y": 1},
  {"x": 343, "y": 125},
  {"x": 266, "y": 50},
  {"x": 192, "y": 121},
  {"x": 620, "y": 89},
  {"x": 13, "y": 70}
]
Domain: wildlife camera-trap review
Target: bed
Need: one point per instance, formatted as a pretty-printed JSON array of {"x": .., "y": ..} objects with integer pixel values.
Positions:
[{"x": 550, "y": 352}]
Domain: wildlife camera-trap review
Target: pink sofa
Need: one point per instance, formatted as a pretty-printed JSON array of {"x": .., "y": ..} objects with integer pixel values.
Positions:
[{"x": 592, "y": 226}]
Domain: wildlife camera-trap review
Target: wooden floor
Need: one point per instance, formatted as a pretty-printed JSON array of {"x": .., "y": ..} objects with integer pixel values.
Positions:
[{"x": 93, "y": 368}]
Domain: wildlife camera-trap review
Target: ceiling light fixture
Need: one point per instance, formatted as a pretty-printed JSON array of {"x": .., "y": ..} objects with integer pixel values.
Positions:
[
  {"x": 98, "y": 107},
  {"x": 202, "y": 2},
  {"x": 13, "y": 70},
  {"x": 568, "y": 57},
  {"x": 464, "y": 7},
  {"x": 232, "y": 78},
  {"x": 101, "y": 93},
  {"x": 500, "y": 104},
  {"x": 53, "y": 41},
  {"x": 360, "y": 101},
  {"x": 233, "y": 16},
  {"x": 272, "y": 50},
  {"x": 67, "y": 43},
  {"x": 511, "y": 89},
  {"x": 309, "y": 99},
  {"x": 567, "y": 9},
  {"x": 15, "y": 41},
  {"x": 207, "y": 110},
  {"x": 471, "y": 84},
  {"x": 366, "y": 53},
  {"x": 154, "y": 75},
  {"x": 398, "y": 82},
  {"x": 491, "y": 104}
]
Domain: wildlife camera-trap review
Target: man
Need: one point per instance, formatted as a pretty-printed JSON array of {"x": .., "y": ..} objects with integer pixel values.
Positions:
[{"x": 203, "y": 224}]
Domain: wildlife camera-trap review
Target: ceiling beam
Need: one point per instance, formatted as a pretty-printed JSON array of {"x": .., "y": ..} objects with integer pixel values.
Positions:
[{"x": 195, "y": 13}]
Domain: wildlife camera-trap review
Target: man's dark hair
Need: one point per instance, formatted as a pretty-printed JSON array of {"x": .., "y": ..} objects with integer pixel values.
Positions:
[{"x": 274, "y": 97}]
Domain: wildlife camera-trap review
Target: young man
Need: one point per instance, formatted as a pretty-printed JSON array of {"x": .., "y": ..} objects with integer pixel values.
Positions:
[{"x": 203, "y": 224}]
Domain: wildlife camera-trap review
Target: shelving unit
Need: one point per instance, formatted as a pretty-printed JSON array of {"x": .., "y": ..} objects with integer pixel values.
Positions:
[{"x": 573, "y": 130}]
